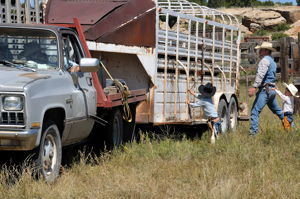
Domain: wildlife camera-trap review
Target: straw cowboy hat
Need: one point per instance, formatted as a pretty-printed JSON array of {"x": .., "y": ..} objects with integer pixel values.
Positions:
[
  {"x": 207, "y": 90},
  {"x": 266, "y": 45},
  {"x": 292, "y": 89}
]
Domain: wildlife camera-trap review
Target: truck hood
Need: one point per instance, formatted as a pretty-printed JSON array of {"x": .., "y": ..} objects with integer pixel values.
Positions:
[{"x": 14, "y": 80}]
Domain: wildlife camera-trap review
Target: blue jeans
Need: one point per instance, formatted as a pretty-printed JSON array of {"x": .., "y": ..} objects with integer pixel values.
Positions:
[
  {"x": 263, "y": 98},
  {"x": 217, "y": 125}
]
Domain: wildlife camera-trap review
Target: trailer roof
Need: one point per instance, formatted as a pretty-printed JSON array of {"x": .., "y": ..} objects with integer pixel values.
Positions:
[{"x": 194, "y": 9}]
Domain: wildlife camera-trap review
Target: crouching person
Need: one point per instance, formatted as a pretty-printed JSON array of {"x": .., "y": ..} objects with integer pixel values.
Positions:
[{"x": 208, "y": 107}]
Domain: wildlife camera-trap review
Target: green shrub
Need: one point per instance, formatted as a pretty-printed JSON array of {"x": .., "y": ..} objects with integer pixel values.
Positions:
[
  {"x": 260, "y": 32},
  {"x": 277, "y": 35},
  {"x": 281, "y": 27}
]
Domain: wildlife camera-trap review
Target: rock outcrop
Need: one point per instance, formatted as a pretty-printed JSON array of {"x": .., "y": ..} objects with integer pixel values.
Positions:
[
  {"x": 266, "y": 18},
  {"x": 293, "y": 32},
  {"x": 290, "y": 13},
  {"x": 257, "y": 19}
]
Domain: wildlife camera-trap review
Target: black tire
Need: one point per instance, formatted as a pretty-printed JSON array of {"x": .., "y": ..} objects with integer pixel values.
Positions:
[
  {"x": 48, "y": 161},
  {"x": 224, "y": 116},
  {"x": 115, "y": 128},
  {"x": 129, "y": 127},
  {"x": 232, "y": 111}
]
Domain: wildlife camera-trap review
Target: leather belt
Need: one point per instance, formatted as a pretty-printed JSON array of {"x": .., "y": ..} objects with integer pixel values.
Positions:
[
  {"x": 213, "y": 119},
  {"x": 267, "y": 87}
]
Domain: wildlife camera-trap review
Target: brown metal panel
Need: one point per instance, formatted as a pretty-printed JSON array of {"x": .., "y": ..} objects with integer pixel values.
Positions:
[
  {"x": 122, "y": 15},
  {"x": 87, "y": 11},
  {"x": 138, "y": 32}
]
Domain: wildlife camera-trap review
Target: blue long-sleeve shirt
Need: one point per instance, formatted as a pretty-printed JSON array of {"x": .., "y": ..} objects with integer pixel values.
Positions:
[{"x": 207, "y": 105}]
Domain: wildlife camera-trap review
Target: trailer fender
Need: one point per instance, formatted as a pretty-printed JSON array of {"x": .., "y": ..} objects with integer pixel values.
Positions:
[{"x": 222, "y": 95}]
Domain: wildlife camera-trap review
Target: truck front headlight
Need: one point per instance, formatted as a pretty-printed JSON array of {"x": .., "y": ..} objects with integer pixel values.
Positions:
[{"x": 12, "y": 103}]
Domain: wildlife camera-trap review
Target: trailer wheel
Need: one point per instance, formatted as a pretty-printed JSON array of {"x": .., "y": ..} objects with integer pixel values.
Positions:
[
  {"x": 223, "y": 115},
  {"x": 232, "y": 111},
  {"x": 115, "y": 128},
  {"x": 49, "y": 155}
]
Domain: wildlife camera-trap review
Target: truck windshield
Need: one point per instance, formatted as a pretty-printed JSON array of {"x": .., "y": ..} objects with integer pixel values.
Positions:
[{"x": 31, "y": 48}]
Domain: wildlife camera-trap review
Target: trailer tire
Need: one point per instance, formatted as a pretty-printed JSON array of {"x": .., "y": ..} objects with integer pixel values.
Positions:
[
  {"x": 232, "y": 111},
  {"x": 224, "y": 116},
  {"x": 49, "y": 155},
  {"x": 115, "y": 128}
]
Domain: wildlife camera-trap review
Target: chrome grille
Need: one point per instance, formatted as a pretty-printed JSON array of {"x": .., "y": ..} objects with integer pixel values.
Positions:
[{"x": 12, "y": 118}]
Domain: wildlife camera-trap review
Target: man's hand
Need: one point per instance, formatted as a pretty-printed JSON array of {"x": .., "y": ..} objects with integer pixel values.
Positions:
[
  {"x": 251, "y": 91},
  {"x": 188, "y": 102},
  {"x": 75, "y": 67}
]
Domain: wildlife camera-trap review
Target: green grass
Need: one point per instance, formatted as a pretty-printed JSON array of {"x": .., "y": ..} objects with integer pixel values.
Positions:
[{"x": 173, "y": 165}]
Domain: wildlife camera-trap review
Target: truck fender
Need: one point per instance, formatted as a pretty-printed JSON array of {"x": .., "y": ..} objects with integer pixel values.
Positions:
[{"x": 47, "y": 113}]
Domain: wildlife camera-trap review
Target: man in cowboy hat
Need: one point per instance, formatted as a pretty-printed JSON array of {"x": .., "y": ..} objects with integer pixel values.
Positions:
[
  {"x": 206, "y": 102},
  {"x": 264, "y": 79},
  {"x": 288, "y": 103}
]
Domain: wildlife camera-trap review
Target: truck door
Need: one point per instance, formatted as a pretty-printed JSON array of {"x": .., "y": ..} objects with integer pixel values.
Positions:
[{"x": 83, "y": 99}]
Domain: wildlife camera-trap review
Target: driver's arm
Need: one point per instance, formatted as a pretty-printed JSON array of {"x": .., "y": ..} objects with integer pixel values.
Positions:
[
  {"x": 71, "y": 66},
  {"x": 75, "y": 68}
]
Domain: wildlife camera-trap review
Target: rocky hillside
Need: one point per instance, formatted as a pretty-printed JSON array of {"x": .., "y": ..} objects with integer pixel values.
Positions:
[{"x": 252, "y": 19}]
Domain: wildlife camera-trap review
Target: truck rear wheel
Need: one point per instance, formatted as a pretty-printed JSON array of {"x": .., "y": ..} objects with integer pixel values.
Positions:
[
  {"x": 232, "y": 111},
  {"x": 50, "y": 153},
  {"x": 129, "y": 127},
  {"x": 224, "y": 116},
  {"x": 115, "y": 128}
]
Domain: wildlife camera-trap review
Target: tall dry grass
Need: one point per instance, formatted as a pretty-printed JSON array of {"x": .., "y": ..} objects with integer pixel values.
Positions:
[{"x": 171, "y": 165}]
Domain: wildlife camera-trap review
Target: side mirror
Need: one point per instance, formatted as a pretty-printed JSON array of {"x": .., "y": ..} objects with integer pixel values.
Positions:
[{"x": 89, "y": 65}]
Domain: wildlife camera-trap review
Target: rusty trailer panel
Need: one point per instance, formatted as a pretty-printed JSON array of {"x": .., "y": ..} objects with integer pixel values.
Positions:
[
  {"x": 87, "y": 11},
  {"x": 122, "y": 15},
  {"x": 108, "y": 21},
  {"x": 126, "y": 36}
]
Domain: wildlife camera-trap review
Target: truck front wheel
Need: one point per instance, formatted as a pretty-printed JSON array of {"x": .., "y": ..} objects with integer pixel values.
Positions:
[
  {"x": 115, "y": 128},
  {"x": 50, "y": 152}
]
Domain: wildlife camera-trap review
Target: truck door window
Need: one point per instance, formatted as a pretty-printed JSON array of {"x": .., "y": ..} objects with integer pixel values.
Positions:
[{"x": 72, "y": 54}]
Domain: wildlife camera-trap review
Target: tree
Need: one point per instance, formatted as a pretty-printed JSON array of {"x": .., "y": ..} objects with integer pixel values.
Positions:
[
  {"x": 298, "y": 2},
  {"x": 238, "y": 3},
  {"x": 216, "y": 3},
  {"x": 268, "y": 3},
  {"x": 200, "y": 2}
]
